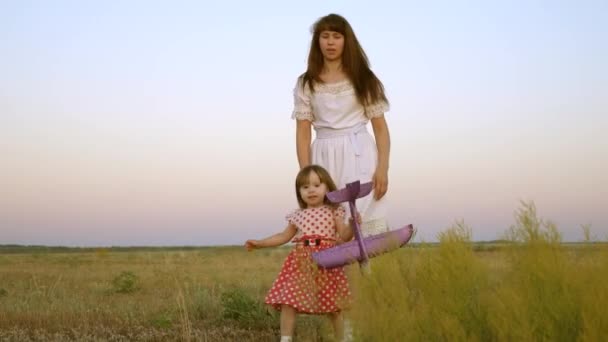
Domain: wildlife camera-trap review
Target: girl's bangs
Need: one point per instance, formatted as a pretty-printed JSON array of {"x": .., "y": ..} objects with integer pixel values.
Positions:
[{"x": 303, "y": 178}]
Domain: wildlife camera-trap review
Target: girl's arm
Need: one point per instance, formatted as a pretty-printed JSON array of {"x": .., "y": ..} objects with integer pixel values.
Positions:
[
  {"x": 345, "y": 231},
  {"x": 303, "y": 139},
  {"x": 274, "y": 240},
  {"x": 383, "y": 143}
]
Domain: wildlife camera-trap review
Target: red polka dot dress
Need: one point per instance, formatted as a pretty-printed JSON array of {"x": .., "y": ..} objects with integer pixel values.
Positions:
[{"x": 301, "y": 284}]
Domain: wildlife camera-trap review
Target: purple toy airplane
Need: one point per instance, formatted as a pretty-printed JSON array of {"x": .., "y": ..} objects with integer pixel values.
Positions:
[{"x": 360, "y": 249}]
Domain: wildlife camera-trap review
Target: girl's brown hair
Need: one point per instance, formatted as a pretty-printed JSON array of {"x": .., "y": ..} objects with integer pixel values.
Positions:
[
  {"x": 368, "y": 88},
  {"x": 303, "y": 178}
]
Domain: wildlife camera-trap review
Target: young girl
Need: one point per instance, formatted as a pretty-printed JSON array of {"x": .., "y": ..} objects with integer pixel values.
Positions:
[
  {"x": 338, "y": 95},
  {"x": 302, "y": 287}
]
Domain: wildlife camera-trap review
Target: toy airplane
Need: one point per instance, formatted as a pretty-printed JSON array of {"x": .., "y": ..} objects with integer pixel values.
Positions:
[{"x": 360, "y": 249}]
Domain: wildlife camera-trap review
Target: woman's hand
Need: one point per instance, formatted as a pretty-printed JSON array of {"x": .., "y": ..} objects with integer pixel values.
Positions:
[
  {"x": 252, "y": 244},
  {"x": 380, "y": 181}
]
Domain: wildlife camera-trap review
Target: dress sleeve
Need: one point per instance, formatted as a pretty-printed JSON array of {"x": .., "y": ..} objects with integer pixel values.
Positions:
[
  {"x": 377, "y": 109},
  {"x": 302, "y": 109},
  {"x": 291, "y": 217}
]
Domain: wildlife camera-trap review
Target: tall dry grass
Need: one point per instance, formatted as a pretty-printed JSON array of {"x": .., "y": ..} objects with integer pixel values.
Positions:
[
  {"x": 532, "y": 287},
  {"x": 152, "y": 296}
]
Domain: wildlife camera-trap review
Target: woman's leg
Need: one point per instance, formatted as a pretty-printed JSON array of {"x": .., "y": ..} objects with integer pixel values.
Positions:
[{"x": 288, "y": 320}]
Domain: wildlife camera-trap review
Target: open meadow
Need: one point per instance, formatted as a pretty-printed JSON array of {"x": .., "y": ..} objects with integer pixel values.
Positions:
[{"x": 530, "y": 287}]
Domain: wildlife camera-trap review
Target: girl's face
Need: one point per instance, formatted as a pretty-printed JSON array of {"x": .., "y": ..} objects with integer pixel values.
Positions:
[
  {"x": 313, "y": 193},
  {"x": 332, "y": 45}
]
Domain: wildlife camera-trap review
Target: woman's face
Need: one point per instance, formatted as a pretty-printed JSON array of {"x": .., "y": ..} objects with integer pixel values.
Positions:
[{"x": 331, "y": 44}]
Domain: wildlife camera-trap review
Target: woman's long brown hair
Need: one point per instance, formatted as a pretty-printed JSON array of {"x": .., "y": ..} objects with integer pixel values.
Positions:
[{"x": 368, "y": 88}]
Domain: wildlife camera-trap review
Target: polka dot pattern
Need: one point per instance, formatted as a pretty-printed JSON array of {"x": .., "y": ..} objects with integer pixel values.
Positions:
[
  {"x": 316, "y": 222},
  {"x": 303, "y": 285}
]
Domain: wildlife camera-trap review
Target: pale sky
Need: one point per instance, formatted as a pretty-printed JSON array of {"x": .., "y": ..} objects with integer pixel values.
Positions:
[{"x": 168, "y": 123}]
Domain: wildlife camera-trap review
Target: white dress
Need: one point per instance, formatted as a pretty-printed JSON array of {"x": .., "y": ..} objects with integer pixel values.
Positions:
[{"x": 342, "y": 143}]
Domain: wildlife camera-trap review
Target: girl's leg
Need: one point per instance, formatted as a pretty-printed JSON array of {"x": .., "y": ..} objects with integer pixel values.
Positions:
[
  {"x": 338, "y": 322},
  {"x": 288, "y": 320},
  {"x": 348, "y": 329}
]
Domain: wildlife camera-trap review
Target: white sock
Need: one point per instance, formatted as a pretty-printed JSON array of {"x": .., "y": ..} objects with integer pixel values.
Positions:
[
  {"x": 285, "y": 338},
  {"x": 348, "y": 330}
]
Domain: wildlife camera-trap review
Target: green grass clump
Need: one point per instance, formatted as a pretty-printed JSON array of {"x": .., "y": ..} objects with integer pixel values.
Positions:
[{"x": 125, "y": 282}]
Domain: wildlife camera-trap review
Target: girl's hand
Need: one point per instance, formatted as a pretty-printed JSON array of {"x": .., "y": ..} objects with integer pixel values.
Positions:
[
  {"x": 350, "y": 219},
  {"x": 252, "y": 244},
  {"x": 380, "y": 181}
]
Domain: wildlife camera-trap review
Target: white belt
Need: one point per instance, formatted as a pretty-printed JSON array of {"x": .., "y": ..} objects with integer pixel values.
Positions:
[{"x": 327, "y": 133}]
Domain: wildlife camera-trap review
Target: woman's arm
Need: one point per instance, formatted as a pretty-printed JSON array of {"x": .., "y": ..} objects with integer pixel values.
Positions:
[
  {"x": 303, "y": 139},
  {"x": 274, "y": 240},
  {"x": 383, "y": 143}
]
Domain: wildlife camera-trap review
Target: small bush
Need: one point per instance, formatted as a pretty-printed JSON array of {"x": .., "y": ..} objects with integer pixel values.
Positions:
[
  {"x": 237, "y": 305},
  {"x": 125, "y": 282},
  {"x": 162, "y": 320}
]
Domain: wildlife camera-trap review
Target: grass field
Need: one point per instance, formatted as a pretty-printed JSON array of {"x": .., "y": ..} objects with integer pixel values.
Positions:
[{"x": 531, "y": 287}]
